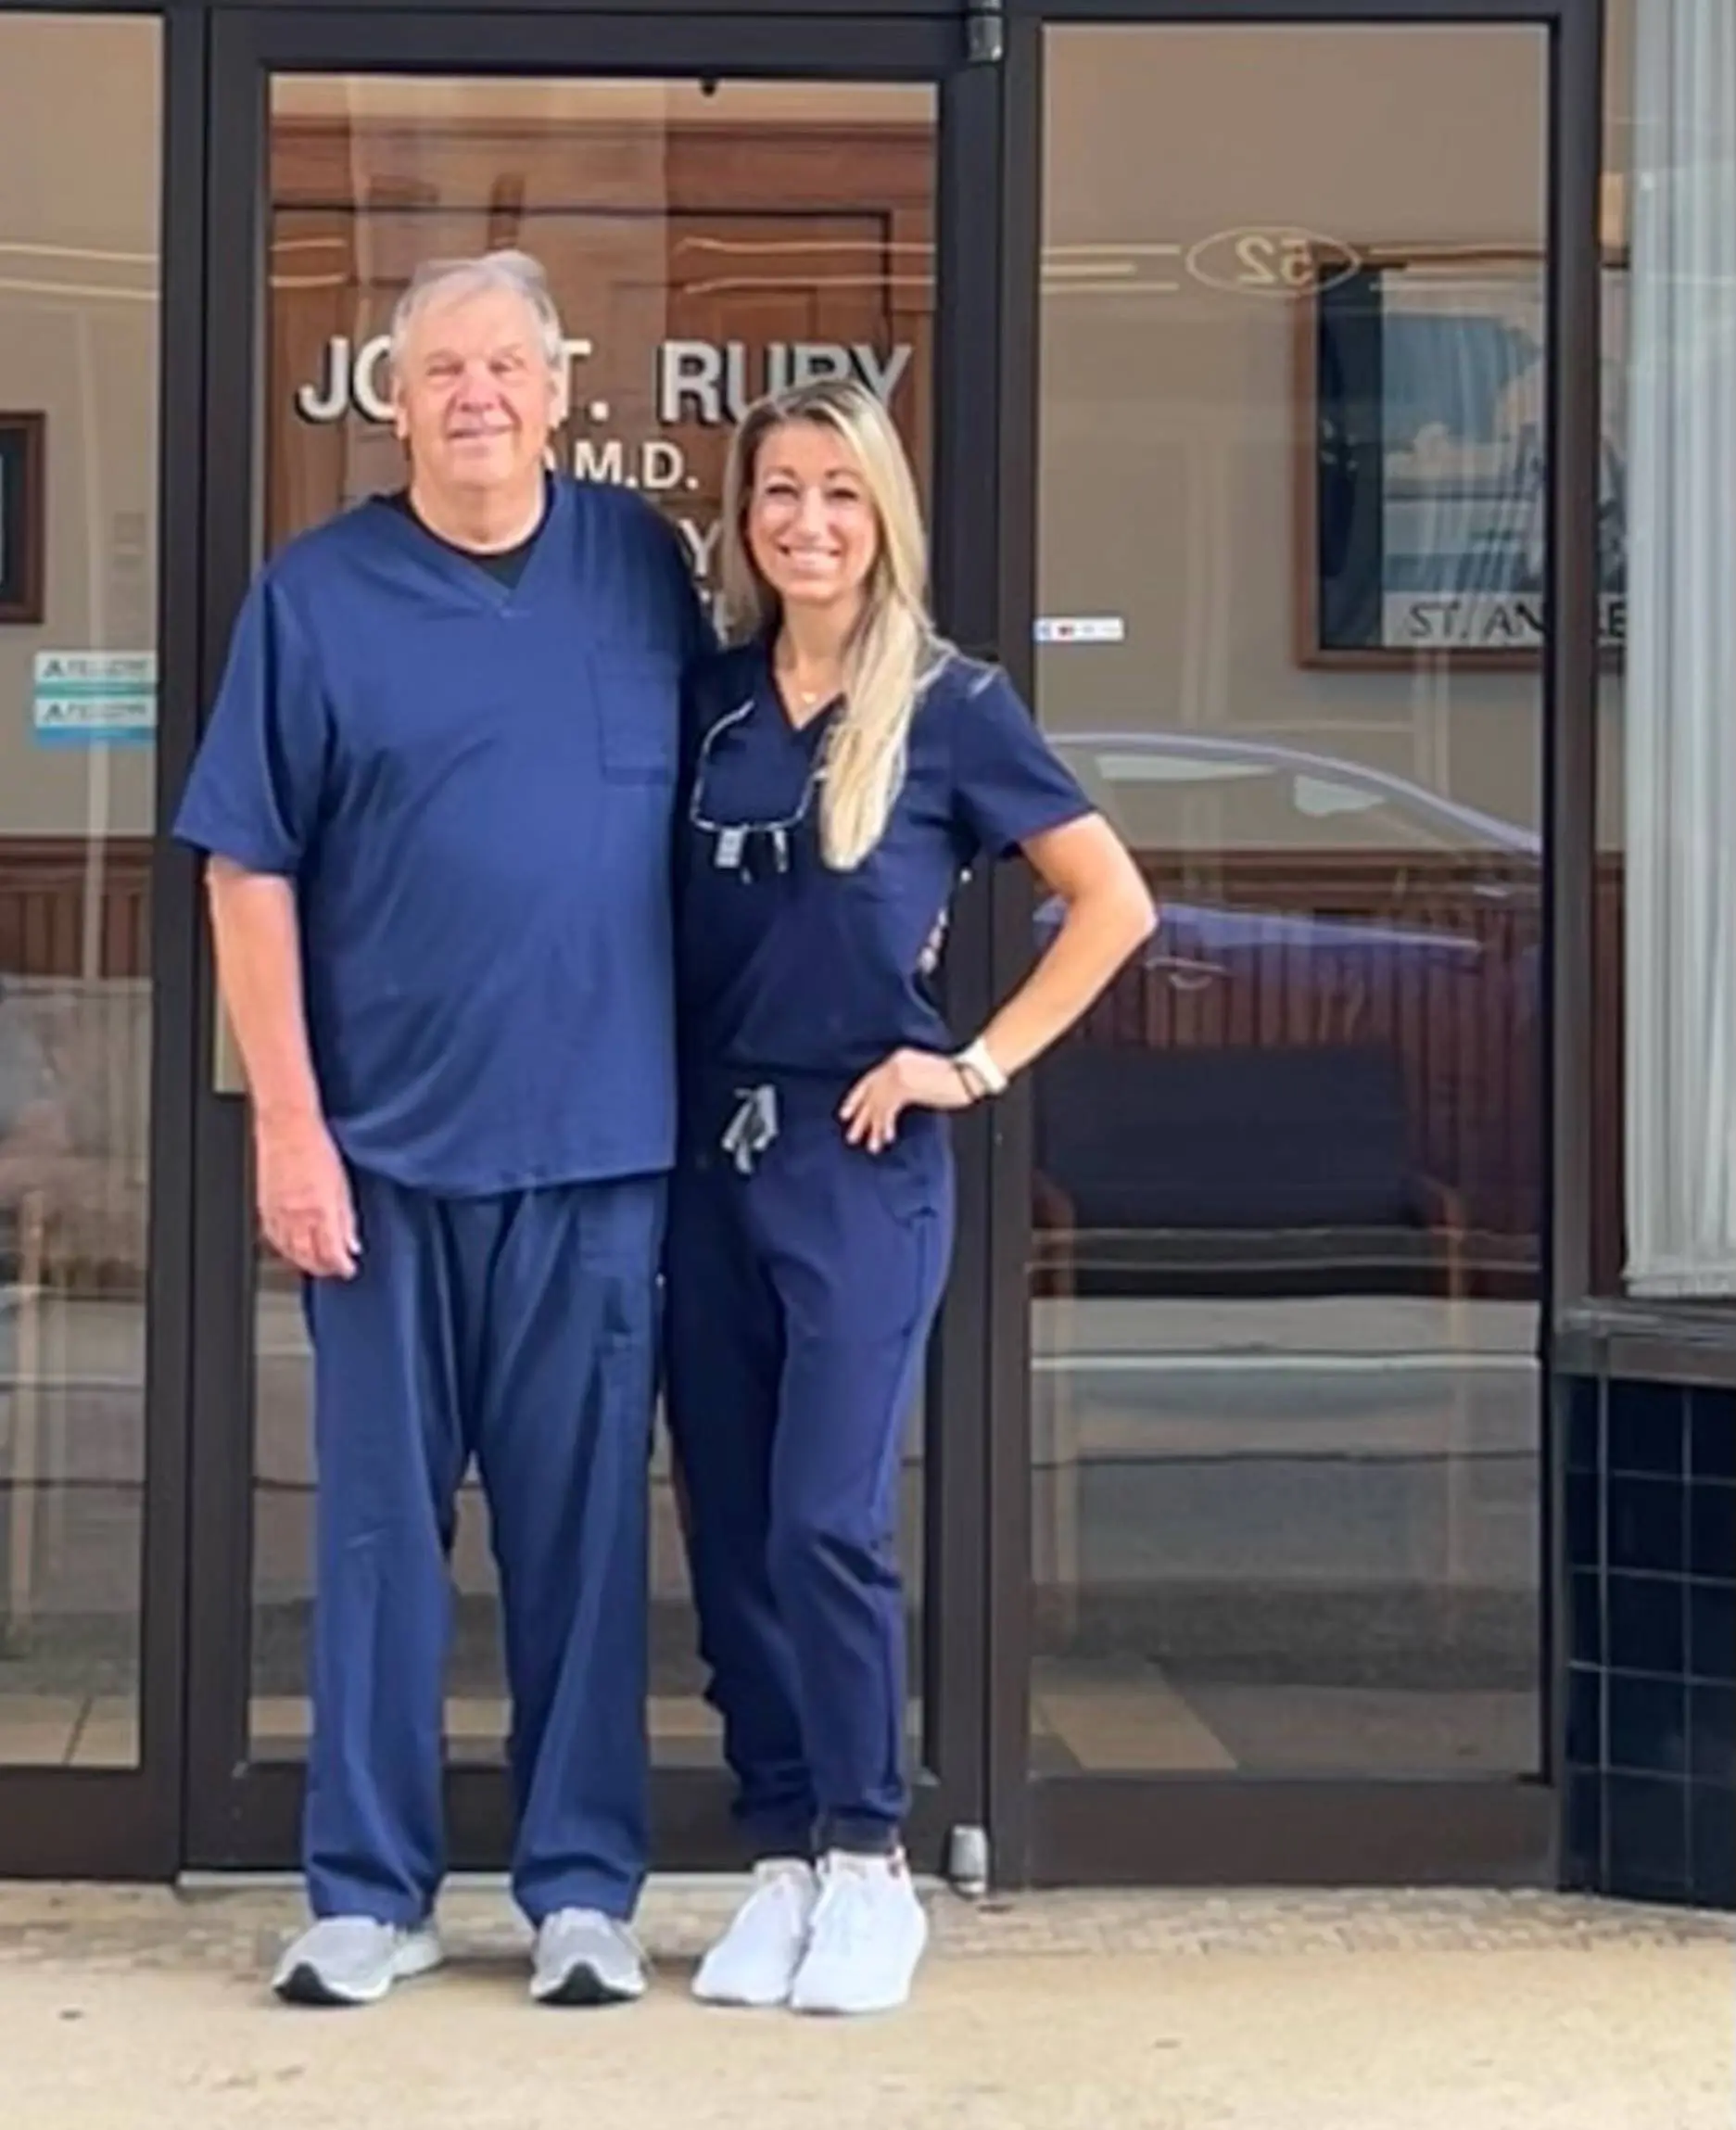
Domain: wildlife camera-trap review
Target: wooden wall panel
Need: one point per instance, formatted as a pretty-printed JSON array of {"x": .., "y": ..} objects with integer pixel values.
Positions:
[
  {"x": 45, "y": 882},
  {"x": 764, "y": 235}
]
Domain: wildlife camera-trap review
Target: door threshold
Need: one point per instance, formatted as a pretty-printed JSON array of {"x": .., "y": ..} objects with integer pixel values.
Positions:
[{"x": 660, "y": 1884}]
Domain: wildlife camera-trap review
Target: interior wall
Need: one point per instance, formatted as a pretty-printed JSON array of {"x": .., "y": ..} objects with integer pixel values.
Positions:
[
  {"x": 693, "y": 265},
  {"x": 1171, "y": 415},
  {"x": 80, "y": 160}
]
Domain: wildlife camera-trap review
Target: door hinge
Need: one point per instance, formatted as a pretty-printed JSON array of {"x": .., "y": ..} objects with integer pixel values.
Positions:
[
  {"x": 967, "y": 1860},
  {"x": 985, "y": 33}
]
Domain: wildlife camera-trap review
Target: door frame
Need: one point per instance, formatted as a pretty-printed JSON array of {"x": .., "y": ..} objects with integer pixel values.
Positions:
[
  {"x": 125, "y": 1823},
  {"x": 1213, "y": 1828},
  {"x": 243, "y": 1814}
]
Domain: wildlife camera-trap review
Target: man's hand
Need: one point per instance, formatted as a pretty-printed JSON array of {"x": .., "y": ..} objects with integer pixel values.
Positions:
[
  {"x": 908, "y": 1079},
  {"x": 305, "y": 1205}
]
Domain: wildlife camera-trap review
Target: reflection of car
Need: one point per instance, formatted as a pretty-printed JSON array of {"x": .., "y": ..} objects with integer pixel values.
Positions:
[
  {"x": 1281, "y": 797},
  {"x": 1196, "y": 803},
  {"x": 1198, "y": 795},
  {"x": 1310, "y": 903}
]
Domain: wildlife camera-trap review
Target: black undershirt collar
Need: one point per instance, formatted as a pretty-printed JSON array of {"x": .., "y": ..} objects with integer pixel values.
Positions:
[{"x": 506, "y": 565}]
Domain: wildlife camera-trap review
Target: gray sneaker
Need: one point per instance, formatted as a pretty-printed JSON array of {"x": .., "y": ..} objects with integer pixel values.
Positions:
[
  {"x": 584, "y": 1957},
  {"x": 353, "y": 1959}
]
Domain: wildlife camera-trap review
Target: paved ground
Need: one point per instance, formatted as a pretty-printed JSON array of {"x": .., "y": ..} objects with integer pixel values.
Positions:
[{"x": 123, "y": 2010}]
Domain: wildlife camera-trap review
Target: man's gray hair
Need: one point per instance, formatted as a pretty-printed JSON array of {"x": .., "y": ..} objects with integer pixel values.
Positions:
[{"x": 443, "y": 280}]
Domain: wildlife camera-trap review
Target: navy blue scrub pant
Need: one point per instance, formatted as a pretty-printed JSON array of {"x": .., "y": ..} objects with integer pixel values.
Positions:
[
  {"x": 800, "y": 1301},
  {"x": 520, "y": 1331}
]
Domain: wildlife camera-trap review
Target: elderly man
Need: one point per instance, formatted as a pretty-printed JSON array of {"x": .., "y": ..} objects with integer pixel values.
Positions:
[{"x": 435, "y": 794}]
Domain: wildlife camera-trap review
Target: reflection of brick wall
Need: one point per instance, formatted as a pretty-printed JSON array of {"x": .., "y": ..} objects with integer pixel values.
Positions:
[
  {"x": 1468, "y": 1031},
  {"x": 77, "y": 1005},
  {"x": 1470, "y": 1042},
  {"x": 46, "y": 883}
]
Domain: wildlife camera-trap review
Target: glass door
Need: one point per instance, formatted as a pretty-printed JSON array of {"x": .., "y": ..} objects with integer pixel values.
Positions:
[
  {"x": 94, "y": 638},
  {"x": 720, "y": 206},
  {"x": 1299, "y": 481}
]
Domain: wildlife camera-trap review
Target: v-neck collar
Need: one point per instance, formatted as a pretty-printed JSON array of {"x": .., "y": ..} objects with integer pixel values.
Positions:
[
  {"x": 772, "y": 707},
  {"x": 469, "y": 576}
]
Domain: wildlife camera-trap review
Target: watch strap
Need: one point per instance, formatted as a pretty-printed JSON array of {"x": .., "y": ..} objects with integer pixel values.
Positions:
[{"x": 975, "y": 1060}]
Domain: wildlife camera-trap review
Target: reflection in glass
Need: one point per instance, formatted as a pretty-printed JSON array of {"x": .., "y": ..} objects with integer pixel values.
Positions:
[
  {"x": 692, "y": 270},
  {"x": 1285, "y": 1253},
  {"x": 78, "y": 515}
]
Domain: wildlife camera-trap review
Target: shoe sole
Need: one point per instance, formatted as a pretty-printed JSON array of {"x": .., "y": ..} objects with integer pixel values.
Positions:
[
  {"x": 736, "y": 2002},
  {"x": 582, "y": 1986},
  {"x": 306, "y": 1987},
  {"x": 810, "y": 2009},
  {"x": 849, "y": 2010}
]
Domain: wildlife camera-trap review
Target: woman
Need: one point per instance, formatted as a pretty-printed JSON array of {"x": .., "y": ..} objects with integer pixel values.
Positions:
[{"x": 844, "y": 766}]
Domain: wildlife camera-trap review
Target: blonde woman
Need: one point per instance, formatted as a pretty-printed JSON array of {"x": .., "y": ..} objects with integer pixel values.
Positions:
[{"x": 844, "y": 766}]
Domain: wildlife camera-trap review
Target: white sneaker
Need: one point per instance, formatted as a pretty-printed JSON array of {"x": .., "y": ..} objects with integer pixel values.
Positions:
[
  {"x": 353, "y": 1959},
  {"x": 756, "y": 1959},
  {"x": 867, "y": 1936},
  {"x": 584, "y": 1957}
]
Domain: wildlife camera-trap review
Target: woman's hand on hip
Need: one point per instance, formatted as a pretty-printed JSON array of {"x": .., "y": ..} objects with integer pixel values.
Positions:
[{"x": 907, "y": 1080}]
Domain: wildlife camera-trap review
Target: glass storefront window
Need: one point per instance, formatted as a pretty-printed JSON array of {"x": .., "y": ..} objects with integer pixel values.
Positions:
[
  {"x": 1287, "y": 1206},
  {"x": 79, "y": 282}
]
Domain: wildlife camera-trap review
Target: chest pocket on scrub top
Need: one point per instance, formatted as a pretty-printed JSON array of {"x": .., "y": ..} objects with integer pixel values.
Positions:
[{"x": 639, "y": 713}]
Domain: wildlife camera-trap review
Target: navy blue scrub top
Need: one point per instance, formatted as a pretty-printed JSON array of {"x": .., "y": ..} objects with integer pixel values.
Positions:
[
  {"x": 787, "y": 965},
  {"x": 472, "y": 784}
]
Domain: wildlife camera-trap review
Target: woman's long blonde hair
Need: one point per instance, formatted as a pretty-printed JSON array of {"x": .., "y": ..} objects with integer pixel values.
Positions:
[{"x": 893, "y": 650}]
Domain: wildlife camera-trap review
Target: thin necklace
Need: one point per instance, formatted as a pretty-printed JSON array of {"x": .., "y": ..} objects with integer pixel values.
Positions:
[{"x": 807, "y": 697}]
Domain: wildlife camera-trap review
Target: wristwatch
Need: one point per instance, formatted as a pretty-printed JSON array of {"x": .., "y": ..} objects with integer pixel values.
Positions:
[{"x": 976, "y": 1062}]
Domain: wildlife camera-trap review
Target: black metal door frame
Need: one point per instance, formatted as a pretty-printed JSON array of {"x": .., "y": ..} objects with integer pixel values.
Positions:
[
  {"x": 1095, "y": 1829},
  {"x": 126, "y": 1822},
  {"x": 241, "y": 1813}
]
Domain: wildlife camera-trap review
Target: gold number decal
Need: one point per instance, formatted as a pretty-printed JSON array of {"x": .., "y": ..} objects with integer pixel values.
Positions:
[
  {"x": 1274, "y": 261},
  {"x": 1270, "y": 262}
]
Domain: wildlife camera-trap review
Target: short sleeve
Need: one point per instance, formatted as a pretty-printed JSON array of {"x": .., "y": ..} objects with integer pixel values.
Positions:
[
  {"x": 257, "y": 779},
  {"x": 1008, "y": 784}
]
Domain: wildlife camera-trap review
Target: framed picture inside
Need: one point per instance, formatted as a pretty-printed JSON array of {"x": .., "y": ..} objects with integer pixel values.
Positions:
[
  {"x": 23, "y": 517},
  {"x": 1422, "y": 482}
]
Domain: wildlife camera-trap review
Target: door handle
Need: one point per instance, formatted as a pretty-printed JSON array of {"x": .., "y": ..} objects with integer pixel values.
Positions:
[
  {"x": 228, "y": 1076},
  {"x": 1181, "y": 973}
]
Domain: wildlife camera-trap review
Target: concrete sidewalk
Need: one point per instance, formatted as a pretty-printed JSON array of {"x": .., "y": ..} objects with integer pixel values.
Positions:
[{"x": 123, "y": 2010}]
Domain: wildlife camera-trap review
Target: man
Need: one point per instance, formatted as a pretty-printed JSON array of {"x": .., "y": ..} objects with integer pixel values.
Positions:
[{"x": 436, "y": 795}]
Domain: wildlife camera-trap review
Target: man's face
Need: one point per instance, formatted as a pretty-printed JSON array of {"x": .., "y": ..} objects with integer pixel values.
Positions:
[{"x": 475, "y": 399}]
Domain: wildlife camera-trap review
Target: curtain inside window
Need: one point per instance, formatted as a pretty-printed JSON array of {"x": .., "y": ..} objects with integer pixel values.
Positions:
[{"x": 1680, "y": 694}]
